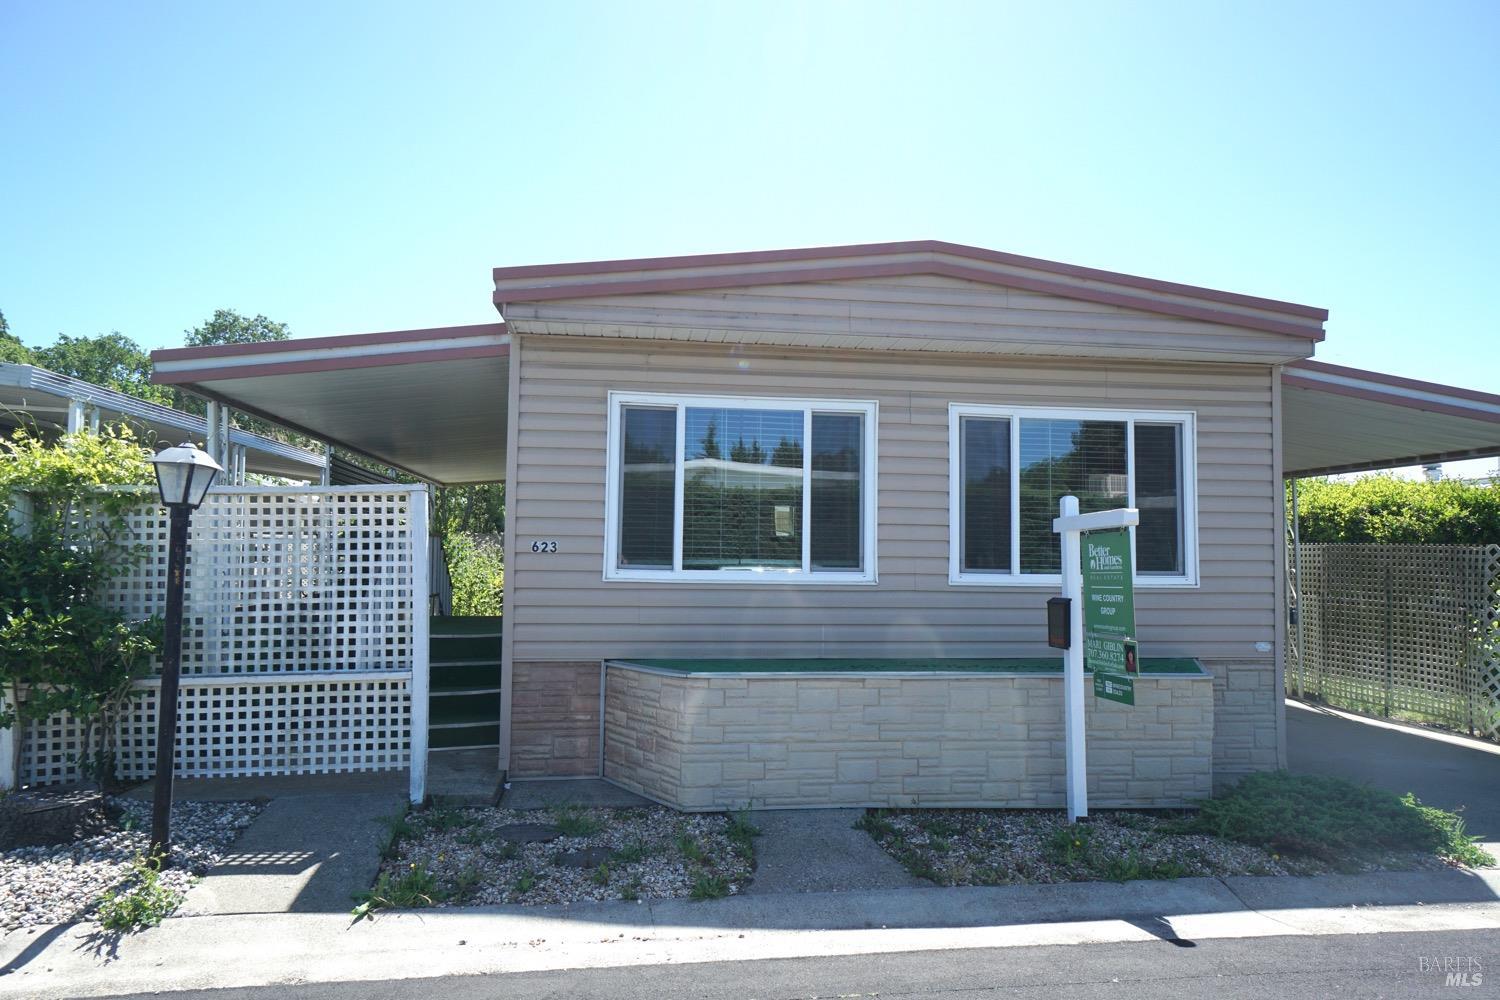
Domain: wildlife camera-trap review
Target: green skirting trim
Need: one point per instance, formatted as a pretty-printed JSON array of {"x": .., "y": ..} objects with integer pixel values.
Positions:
[{"x": 1019, "y": 665}]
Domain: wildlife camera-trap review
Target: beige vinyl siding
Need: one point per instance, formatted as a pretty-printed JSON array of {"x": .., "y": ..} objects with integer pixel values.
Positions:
[
  {"x": 559, "y": 607},
  {"x": 915, "y": 313}
]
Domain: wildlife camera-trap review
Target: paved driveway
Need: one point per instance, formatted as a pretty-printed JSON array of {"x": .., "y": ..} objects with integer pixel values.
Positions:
[{"x": 1441, "y": 774}]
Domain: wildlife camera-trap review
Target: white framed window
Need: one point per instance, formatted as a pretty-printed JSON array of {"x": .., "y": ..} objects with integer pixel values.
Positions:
[
  {"x": 1009, "y": 465},
  {"x": 740, "y": 489}
]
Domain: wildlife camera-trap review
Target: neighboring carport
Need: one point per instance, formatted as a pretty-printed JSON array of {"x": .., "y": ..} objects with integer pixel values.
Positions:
[{"x": 49, "y": 403}]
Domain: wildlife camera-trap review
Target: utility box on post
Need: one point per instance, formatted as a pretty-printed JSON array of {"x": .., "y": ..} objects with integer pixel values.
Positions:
[{"x": 1059, "y": 621}]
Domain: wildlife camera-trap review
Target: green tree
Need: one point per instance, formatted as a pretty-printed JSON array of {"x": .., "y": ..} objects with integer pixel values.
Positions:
[
  {"x": 11, "y": 348},
  {"x": 112, "y": 360},
  {"x": 228, "y": 327}
]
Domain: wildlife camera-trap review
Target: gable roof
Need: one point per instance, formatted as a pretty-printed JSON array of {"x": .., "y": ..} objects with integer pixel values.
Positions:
[{"x": 591, "y": 279}]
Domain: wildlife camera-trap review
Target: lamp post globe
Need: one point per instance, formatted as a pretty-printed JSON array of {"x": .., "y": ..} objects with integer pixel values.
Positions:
[{"x": 183, "y": 476}]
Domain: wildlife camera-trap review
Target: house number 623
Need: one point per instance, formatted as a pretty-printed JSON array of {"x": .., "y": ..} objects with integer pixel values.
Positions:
[{"x": 548, "y": 547}]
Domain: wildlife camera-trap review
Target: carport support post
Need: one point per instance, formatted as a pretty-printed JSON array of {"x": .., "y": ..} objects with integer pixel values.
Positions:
[
  {"x": 419, "y": 686},
  {"x": 1073, "y": 735}
]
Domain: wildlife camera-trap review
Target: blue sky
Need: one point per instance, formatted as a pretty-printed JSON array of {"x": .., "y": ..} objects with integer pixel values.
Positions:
[{"x": 350, "y": 167}]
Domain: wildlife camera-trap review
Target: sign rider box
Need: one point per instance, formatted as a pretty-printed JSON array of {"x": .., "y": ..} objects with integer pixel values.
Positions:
[{"x": 1109, "y": 648}]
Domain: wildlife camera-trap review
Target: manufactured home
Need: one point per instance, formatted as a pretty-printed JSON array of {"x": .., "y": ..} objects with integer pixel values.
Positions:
[{"x": 779, "y": 524}]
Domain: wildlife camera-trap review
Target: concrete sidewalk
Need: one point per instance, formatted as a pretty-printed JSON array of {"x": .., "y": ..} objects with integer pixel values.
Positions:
[
  {"x": 316, "y": 842},
  {"x": 265, "y": 949}
]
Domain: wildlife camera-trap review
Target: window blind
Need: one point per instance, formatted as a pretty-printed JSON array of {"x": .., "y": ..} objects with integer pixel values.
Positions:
[
  {"x": 1083, "y": 457},
  {"x": 742, "y": 489},
  {"x": 1158, "y": 494},
  {"x": 648, "y": 495},
  {"x": 985, "y": 500},
  {"x": 836, "y": 531}
]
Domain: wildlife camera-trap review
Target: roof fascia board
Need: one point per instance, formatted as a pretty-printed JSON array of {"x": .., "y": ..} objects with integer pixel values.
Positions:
[
  {"x": 1399, "y": 381},
  {"x": 534, "y": 271},
  {"x": 335, "y": 362},
  {"x": 1391, "y": 397},
  {"x": 646, "y": 285},
  {"x": 341, "y": 341}
]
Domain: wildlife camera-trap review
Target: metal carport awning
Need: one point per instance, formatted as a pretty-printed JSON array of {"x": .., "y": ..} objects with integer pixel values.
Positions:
[
  {"x": 45, "y": 400},
  {"x": 430, "y": 402},
  {"x": 1336, "y": 419}
]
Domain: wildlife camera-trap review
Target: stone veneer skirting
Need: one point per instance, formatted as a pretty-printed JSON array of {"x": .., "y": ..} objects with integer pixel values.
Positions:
[
  {"x": 703, "y": 742},
  {"x": 554, "y": 719}
]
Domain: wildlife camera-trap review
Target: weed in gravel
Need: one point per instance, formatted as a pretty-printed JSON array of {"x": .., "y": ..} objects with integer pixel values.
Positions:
[
  {"x": 464, "y": 884},
  {"x": 1068, "y": 845},
  {"x": 922, "y": 867},
  {"x": 938, "y": 826},
  {"x": 877, "y": 823},
  {"x": 574, "y": 821},
  {"x": 1169, "y": 869},
  {"x": 446, "y": 819},
  {"x": 742, "y": 833},
  {"x": 631, "y": 853},
  {"x": 412, "y": 888},
  {"x": 688, "y": 847},
  {"x": 473, "y": 837},
  {"x": 508, "y": 850},
  {"x": 397, "y": 828},
  {"x": 710, "y": 887},
  {"x": 632, "y": 890},
  {"x": 1122, "y": 867},
  {"x": 525, "y": 882},
  {"x": 601, "y": 875},
  {"x": 142, "y": 902},
  {"x": 939, "y": 844}
]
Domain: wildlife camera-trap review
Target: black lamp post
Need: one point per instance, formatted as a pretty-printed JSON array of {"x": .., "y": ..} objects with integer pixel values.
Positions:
[{"x": 183, "y": 476}]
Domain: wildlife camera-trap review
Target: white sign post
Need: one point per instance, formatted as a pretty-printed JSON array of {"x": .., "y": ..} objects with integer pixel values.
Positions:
[{"x": 1071, "y": 525}]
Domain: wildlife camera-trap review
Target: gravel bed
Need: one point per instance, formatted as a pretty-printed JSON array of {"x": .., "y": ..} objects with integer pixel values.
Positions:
[
  {"x": 645, "y": 854},
  {"x": 48, "y": 885},
  {"x": 998, "y": 847}
]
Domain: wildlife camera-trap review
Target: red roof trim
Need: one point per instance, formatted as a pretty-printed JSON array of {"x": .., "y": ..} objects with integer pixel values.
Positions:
[
  {"x": 319, "y": 343},
  {"x": 1396, "y": 380},
  {"x": 193, "y": 376},
  {"x": 1355, "y": 392},
  {"x": 544, "y": 293},
  {"x": 914, "y": 246}
]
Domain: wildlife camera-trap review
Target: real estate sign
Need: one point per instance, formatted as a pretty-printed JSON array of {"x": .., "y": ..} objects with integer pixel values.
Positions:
[{"x": 1109, "y": 614}]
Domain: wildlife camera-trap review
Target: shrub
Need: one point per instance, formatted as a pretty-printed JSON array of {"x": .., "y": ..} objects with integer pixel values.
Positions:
[
  {"x": 143, "y": 902},
  {"x": 1386, "y": 509},
  {"x": 1333, "y": 820},
  {"x": 476, "y": 568},
  {"x": 57, "y": 644}
]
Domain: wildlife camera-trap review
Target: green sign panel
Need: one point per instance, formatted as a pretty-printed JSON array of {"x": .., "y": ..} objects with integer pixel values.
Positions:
[
  {"x": 1115, "y": 687},
  {"x": 1109, "y": 648}
]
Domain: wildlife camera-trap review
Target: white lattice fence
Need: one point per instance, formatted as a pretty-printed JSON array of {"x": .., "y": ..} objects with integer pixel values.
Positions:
[
  {"x": 1405, "y": 630},
  {"x": 304, "y": 636}
]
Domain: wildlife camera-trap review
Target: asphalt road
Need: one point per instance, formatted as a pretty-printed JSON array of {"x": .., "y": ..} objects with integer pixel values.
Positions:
[{"x": 1364, "y": 965}]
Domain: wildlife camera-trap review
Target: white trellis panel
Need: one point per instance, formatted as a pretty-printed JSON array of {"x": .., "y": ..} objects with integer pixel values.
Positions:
[
  {"x": 1404, "y": 630},
  {"x": 304, "y": 616}
]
